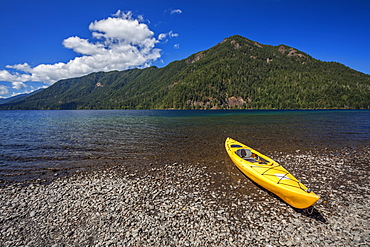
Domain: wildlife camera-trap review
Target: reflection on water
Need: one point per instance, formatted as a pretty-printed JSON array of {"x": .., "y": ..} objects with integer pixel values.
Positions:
[{"x": 40, "y": 140}]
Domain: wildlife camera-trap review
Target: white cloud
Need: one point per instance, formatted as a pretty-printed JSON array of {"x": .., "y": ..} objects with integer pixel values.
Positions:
[
  {"x": 4, "y": 89},
  {"x": 19, "y": 85},
  {"x": 172, "y": 34},
  {"x": 83, "y": 46},
  {"x": 176, "y": 11},
  {"x": 176, "y": 46},
  {"x": 16, "y": 79},
  {"x": 121, "y": 42},
  {"x": 163, "y": 36}
]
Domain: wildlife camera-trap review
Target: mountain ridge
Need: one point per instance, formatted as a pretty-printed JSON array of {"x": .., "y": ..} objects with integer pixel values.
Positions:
[{"x": 236, "y": 73}]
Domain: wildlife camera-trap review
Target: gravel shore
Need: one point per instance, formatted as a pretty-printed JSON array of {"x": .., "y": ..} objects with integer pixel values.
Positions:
[{"x": 184, "y": 204}]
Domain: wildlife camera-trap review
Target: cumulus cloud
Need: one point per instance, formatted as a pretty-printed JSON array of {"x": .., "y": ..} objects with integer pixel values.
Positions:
[
  {"x": 120, "y": 42},
  {"x": 4, "y": 89},
  {"x": 16, "y": 79}
]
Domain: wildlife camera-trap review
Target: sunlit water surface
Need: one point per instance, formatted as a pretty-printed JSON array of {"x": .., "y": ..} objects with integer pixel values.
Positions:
[{"x": 35, "y": 143}]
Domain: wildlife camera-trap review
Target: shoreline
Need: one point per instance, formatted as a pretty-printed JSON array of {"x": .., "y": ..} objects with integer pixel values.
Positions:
[{"x": 191, "y": 204}]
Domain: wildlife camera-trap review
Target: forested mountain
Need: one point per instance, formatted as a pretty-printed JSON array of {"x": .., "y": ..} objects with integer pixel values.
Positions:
[{"x": 236, "y": 73}]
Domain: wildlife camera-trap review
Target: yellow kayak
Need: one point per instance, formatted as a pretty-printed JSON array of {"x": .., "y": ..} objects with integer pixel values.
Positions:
[{"x": 270, "y": 175}]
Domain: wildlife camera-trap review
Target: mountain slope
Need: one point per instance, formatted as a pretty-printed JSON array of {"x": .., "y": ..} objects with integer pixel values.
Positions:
[{"x": 236, "y": 73}]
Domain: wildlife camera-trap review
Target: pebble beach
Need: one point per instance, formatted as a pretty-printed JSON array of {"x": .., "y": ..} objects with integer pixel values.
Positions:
[{"x": 192, "y": 204}]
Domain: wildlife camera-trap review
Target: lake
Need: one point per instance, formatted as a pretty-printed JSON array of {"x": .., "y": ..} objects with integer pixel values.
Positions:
[{"x": 35, "y": 144}]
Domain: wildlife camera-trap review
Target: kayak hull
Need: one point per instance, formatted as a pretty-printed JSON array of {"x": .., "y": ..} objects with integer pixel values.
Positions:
[{"x": 271, "y": 175}]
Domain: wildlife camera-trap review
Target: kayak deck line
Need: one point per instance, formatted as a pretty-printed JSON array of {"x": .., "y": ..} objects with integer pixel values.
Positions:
[
  {"x": 281, "y": 177},
  {"x": 298, "y": 182}
]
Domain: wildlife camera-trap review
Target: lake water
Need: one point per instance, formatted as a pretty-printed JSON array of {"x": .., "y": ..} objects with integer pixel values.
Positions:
[{"x": 39, "y": 143}]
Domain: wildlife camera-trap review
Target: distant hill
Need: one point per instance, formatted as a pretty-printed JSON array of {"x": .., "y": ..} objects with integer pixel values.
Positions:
[
  {"x": 18, "y": 98},
  {"x": 237, "y": 73}
]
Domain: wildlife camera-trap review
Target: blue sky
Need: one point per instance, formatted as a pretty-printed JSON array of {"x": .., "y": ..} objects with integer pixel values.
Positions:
[{"x": 43, "y": 41}]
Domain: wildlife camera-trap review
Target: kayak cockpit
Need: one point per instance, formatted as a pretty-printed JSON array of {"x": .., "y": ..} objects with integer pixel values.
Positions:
[{"x": 249, "y": 156}]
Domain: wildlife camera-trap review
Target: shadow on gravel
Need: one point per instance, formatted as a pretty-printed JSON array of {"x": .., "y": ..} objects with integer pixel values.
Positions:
[{"x": 312, "y": 213}]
